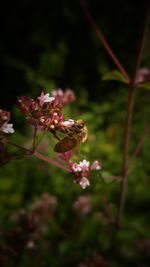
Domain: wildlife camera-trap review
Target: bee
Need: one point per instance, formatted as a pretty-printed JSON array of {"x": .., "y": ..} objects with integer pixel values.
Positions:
[{"x": 75, "y": 135}]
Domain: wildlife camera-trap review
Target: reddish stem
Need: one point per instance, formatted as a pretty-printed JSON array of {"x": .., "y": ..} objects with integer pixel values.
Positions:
[
  {"x": 51, "y": 161},
  {"x": 28, "y": 151},
  {"x": 140, "y": 144},
  {"x": 127, "y": 129},
  {"x": 105, "y": 43},
  {"x": 40, "y": 156},
  {"x": 141, "y": 44},
  {"x": 125, "y": 155}
]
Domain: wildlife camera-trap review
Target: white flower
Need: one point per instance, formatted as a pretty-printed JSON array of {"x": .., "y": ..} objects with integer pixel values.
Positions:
[
  {"x": 76, "y": 167},
  {"x": 45, "y": 98},
  {"x": 7, "y": 128},
  {"x": 84, "y": 164},
  {"x": 67, "y": 123},
  {"x": 84, "y": 182}
]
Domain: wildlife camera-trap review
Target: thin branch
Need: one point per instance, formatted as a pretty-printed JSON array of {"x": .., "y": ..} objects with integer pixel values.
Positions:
[
  {"x": 105, "y": 43},
  {"x": 40, "y": 156},
  {"x": 127, "y": 129},
  {"x": 140, "y": 144},
  {"x": 125, "y": 155},
  {"x": 51, "y": 161},
  {"x": 28, "y": 151}
]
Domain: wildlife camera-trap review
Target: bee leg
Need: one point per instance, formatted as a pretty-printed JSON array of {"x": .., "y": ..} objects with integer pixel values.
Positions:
[{"x": 55, "y": 135}]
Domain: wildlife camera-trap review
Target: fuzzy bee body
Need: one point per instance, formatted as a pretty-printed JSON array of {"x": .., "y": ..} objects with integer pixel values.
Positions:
[{"x": 76, "y": 134}]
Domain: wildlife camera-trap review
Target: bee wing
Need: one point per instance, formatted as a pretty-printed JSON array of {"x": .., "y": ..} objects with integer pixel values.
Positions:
[
  {"x": 65, "y": 145},
  {"x": 77, "y": 149}
]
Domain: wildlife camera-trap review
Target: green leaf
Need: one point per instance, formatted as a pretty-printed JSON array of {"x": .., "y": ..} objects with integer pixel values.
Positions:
[
  {"x": 145, "y": 85},
  {"x": 114, "y": 75}
]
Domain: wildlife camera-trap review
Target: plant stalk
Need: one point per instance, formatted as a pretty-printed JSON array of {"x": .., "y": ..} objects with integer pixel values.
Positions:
[
  {"x": 128, "y": 121},
  {"x": 105, "y": 43}
]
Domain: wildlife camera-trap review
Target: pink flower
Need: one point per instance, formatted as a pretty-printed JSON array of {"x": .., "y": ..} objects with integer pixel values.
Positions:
[
  {"x": 143, "y": 75},
  {"x": 64, "y": 97},
  {"x": 4, "y": 116},
  {"x": 82, "y": 171},
  {"x": 7, "y": 128},
  {"x": 45, "y": 98},
  {"x": 84, "y": 164},
  {"x": 43, "y": 112},
  {"x": 76, "y": 168},
  {"x": 84, "y": 182},
  {"x": 57, "y": 93},
  {"x": 96, "y": 165}
]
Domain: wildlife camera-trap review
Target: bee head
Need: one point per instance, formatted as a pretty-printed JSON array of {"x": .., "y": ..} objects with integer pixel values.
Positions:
[{"x": 80, "y": 123}]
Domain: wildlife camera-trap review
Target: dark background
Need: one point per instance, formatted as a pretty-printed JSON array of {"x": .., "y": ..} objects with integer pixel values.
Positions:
[{"x": 31, "y": 30}]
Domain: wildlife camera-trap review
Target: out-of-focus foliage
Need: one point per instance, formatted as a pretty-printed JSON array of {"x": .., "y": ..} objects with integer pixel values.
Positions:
[
  {"x": 55, "y": 47},
  {"x": 71, "y": 231}
]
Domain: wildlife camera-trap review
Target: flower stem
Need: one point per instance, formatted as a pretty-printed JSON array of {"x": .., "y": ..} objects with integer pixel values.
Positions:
[
  {"x": 131, "y": 97},
  {"x": 140, "y": 144},
  {"x": 123, "y": 183},
  {"x": 51, "y": 161},
  {"x": 28, "y": 151},
  {"x": 40, "y": 156},
  {"x": 105, "y": 43}
]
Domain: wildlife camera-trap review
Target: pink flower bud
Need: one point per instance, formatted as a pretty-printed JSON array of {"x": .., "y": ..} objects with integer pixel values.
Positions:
[{"x": 96, "y": 165}]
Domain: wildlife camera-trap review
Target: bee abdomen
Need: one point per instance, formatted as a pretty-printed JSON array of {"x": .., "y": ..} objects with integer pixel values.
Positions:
[{"x": 65, "y": 145}]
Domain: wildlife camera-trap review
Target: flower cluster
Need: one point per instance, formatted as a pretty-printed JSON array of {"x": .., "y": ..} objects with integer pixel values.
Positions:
[
  {"x": 5, "y": 127},
  {"x": 83, "y": 205},
  {"x": 44, "y": 207},
  {"x": 65, "y": 97},
  {"x": 82, "y": 171},
  {"x": 43, "y": 113},
  {"x": 27, "y": 229}
]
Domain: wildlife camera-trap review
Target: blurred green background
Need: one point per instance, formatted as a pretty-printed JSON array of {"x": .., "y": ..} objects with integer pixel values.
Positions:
[{"x": 48, "y": 45}]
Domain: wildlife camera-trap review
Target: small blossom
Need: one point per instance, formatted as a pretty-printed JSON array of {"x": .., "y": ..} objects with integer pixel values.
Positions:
[
  {"x": 84, "y": 165},
  {"x": 57, "y": 93},
  {"x": 64, "y": 97},
  {"x": 45, "y": 98},
  {"x": 52, "y": 126},
  {"x": 76, "y": 168},
  {"x": 4, "y": 116},
  {"x": 7, "y": 128},
  {"x": 143, "y": 75},
  {"x": 67, "y": 123},
  {"x": 96, "y": 165},
  {"x": 84, "y": 182}
]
